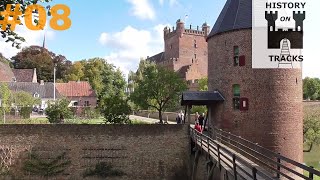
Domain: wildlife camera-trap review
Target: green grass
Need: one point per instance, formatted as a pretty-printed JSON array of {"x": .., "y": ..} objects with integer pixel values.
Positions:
[
  {"x": 136, "y": 121},
  {"x": 66, "y": 121},
  {"x": 312, "y": 159}
]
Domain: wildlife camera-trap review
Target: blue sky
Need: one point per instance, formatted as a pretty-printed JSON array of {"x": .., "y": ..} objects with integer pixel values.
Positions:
[{"x": 122, "y": 31}]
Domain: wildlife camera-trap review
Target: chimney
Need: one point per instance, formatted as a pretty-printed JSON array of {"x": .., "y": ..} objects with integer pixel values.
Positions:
[
  {"x": 41, "y": 82},
  {"x": 35, "y": 78}
]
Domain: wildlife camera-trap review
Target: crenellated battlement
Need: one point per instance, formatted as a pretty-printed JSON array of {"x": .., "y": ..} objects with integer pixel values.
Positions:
[{"x": 180, "y": 30}]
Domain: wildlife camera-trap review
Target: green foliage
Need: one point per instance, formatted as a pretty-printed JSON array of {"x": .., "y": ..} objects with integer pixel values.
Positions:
[
  {"x": 6, "y": 98},
  {"x": 90, "y": 113},
  {"x": 23, "y": 99},
  {"x": 76, "y": 72},
  {"x": 311, "y": 88},
  {"x": 157, "y": 88},
  {"x": 203, "y": 84},
  {"x": 11, "y": 36},
  {"x": 103, "y": 170},
  {"x": 58, "y": 111},
  {"x": 25, "y": 112},
  {"x": 5, "y": 60},
  {"x": 42, "y": 59},
  {"x": 116, "y": 110},
  {"x": 46, "y": 168},
  {"x": 311, "y": 127}
]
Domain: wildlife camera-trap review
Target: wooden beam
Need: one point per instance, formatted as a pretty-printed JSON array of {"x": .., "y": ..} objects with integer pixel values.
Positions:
[
  {"x": 189, "y": 114},
  {"x": 210, "y": 175},
  {"x": 195, "y": 165}
]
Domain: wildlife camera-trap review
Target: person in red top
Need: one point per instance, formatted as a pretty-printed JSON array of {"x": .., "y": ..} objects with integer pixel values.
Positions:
[{"x": 198, "y": 128}]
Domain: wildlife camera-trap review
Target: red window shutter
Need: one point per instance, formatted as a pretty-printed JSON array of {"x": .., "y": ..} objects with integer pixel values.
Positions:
[
  {"x": 242, "y": 61},
  {"x": 244, "y": 104}
]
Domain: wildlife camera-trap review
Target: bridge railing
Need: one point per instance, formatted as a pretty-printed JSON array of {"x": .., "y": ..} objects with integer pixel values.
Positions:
[
  {"x": 278, "y": 165},
  {"x": 240, "y": 167}
]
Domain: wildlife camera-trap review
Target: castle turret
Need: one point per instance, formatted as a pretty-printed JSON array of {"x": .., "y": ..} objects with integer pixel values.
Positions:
[
  {"x": 180, "y": 27},
  {"x": 261, "y": 105},
  {"x": 166, "y": 31},
  {"x": 206, "y": 29}
]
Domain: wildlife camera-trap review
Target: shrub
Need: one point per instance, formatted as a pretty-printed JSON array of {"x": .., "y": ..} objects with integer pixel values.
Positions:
[
  {"x": 103, "y": 170},
  {"x": 25, "y": 112},
  {"x": 58, "y": 111}
]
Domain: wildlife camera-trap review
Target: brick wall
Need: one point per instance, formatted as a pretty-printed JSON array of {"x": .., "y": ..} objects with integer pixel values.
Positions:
[
  {"x": 274, "y": 118},
  {"x": 141, "y": 151}
]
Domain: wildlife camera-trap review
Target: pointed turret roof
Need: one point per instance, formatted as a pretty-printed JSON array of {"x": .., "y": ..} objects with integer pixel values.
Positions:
[{"x": 236, "y": 14}]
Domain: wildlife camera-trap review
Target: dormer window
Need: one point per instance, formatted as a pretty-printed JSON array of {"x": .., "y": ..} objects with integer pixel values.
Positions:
[{"x": 36, "y": 95}]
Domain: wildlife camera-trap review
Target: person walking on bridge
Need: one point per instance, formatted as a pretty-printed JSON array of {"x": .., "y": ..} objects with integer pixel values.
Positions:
[{"x": 201, "y": 120}]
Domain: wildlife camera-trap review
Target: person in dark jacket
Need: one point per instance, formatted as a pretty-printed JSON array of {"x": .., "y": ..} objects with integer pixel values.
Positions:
[{"x": 201, "y": 120}]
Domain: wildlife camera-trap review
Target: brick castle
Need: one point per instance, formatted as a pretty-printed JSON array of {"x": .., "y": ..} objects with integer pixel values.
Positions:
[{"x": 185, "y": 52}]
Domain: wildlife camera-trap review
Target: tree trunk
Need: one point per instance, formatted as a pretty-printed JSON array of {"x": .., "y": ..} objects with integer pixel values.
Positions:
[
  {"x": 160, "y": 116},
  {"x": 310, "y": 148}
]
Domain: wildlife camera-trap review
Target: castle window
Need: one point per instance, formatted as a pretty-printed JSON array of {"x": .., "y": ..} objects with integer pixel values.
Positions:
[
  {"x": 171, "y": 46},
  {"x": 236, "y": 96},
  {"x": 236, "y": 55},
  {"x": 195, "y": 43},
  {"x": 195, "y": 56}
]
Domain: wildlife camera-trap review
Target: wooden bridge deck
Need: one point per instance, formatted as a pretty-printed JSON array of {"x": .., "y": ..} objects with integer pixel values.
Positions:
[{"x": 228, "y": 159}]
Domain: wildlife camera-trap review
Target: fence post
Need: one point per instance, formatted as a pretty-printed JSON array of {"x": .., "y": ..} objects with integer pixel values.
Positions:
[
  {"x": 278, "y": 166},
  {"x": 234, "y": 166},
  {"x": 208, "y": 146},
  {"x": 254, "y": 173},
  {"x": 219, "y": 160},
  {"x": 310, "y": 173}
]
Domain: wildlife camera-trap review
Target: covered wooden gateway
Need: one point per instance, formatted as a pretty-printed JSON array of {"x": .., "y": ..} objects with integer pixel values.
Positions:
[{"x": 200, "y": 98}]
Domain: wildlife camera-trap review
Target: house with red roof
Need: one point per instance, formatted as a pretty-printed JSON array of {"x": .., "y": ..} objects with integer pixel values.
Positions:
[{"x": 80, "y": 93}]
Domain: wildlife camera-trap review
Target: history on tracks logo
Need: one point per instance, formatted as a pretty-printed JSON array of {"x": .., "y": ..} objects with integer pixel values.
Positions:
[{"x": 277, "y": 33}]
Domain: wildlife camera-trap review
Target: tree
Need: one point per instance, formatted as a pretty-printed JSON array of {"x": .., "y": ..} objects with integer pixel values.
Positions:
[
  {"x": 311, "y": 88},
  {"x": 158, "y": 88},
  {"x": 76, "y": 72},
  {"x": 5, "y": 60},
  {"x": 6, "y": 99},
  {"x": 25, "y": 102},
  {"x": 58, "y": 111},
  {"x": 116, "y": 110},
  {"x": 311, "y": 127},
  {"x": 113, "y": 102},
  {"x": 42, "y": 59},
  {"x": 203, "y": 86},
  {"x": 9, "y": 35}
]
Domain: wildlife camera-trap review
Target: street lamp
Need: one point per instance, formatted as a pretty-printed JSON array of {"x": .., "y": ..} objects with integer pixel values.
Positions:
[{"x": 54, "y": 82}]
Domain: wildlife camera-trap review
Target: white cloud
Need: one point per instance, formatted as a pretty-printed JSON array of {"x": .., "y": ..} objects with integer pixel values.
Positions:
[
  {"x": 31, "y": 37},
  {"x": 142, "y": 9},
  {"x": 130, "y": 44}
]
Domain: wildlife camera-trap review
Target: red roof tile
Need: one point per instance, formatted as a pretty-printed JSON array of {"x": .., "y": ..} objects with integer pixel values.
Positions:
[
  {"x": 23, "y": 75},
  {"x": 75, "y": 89},
  {"x": 6, "y": 74}
]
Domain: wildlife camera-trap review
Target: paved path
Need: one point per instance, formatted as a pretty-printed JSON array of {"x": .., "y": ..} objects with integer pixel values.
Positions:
[{"x": 148, "y": 120}]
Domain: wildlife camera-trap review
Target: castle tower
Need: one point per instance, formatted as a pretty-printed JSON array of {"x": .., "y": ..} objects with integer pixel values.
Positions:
[{"x": 261, "y": 105}]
